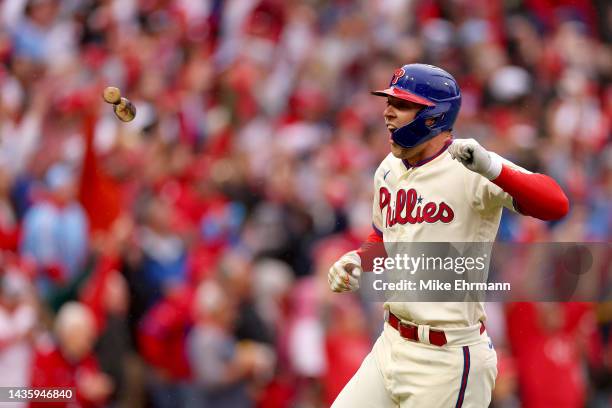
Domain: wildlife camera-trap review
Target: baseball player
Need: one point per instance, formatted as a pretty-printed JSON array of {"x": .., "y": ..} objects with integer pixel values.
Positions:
[{"x": 434, "y": 188}]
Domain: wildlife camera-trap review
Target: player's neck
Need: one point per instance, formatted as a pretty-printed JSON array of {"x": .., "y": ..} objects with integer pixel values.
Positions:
[{"x": 432, "y": 147}]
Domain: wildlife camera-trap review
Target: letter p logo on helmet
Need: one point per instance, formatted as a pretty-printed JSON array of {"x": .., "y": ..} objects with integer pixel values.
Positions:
[{"x": 397, "y": 75}]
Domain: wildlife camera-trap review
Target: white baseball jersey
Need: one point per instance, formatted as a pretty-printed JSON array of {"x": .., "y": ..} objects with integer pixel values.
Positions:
[{"x": 438, "y": 200}]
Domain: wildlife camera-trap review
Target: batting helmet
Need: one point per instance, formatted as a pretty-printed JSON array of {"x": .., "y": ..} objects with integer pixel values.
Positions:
[{"x": 431, "y": 87}]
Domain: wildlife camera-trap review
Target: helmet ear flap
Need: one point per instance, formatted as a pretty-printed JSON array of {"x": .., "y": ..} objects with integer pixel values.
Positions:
[{"x": 432, "y": 121}]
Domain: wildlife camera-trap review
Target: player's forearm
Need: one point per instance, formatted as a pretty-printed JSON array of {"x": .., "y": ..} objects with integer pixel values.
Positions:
[
  {"x": 534, "y": 194},
  {"x": 371, "y": 248}
]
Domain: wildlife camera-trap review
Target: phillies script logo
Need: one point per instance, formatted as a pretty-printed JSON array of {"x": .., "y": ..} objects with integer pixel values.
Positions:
[{"x": 409, "y": 210}]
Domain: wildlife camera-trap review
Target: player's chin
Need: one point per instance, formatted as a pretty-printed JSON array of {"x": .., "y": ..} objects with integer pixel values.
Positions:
[{"x": 397, "y": 151}]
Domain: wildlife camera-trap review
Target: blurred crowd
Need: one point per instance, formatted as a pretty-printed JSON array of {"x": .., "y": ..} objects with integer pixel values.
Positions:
[{"x": 180, "y": 259}]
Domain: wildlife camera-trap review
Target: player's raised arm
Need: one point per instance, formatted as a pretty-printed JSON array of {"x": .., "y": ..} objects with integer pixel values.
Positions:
[{"x": 534, "y": 194}]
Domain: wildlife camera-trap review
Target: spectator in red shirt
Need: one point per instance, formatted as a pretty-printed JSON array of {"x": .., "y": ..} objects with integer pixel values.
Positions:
[
  {"x": 223, "y": 367},
  {"x": 347, "y": 342},
  {"x": 70, "y": 362},
  {"x": 162, "y": 341},
  {"x": 545, "y": 339}
]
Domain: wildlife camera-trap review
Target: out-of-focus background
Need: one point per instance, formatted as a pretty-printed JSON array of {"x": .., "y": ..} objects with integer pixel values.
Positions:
[{"x": 181, "y": 259}]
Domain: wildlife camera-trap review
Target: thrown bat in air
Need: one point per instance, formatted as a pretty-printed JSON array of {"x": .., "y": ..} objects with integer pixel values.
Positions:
[{"x": 123, "y": 107}]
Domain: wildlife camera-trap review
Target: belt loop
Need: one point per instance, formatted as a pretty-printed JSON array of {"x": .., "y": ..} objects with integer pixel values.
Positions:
[{"x": 423, "y": 333}]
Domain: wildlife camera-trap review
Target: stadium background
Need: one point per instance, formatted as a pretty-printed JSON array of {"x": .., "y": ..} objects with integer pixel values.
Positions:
[{"x": 198, "y": 237}]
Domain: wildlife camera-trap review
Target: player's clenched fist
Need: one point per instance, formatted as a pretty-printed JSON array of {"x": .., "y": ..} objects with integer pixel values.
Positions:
[
  {"x": 344, "y": 275},
  {"x": 475, "y": 157}
]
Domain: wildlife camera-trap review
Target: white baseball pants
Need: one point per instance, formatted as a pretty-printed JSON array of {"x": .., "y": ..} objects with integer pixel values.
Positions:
[{"x": 407, "y": 374}]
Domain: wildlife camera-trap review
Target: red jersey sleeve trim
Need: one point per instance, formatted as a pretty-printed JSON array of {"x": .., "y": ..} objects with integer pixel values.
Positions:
[
  {"x": 377, "y": 231},
  {"x": 373, "y": 247},
  {"x": 536, "y": 195}
]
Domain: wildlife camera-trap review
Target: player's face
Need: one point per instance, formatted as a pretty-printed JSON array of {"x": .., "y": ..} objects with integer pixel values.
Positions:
[{"x": 397, "y": 114}]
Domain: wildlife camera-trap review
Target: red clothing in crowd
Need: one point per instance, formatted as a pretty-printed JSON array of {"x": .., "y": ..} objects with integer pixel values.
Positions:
[
  {"x": 548, "y": 360},
  {"x": 52, "y": 369},
  {"x": 98, "y": 193},
  {"x": 345, "y": 352},
  {"x": 162, "y": 336},
  {"x": 9, "y": 238},
  {"x": 93, "y": 292}
]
